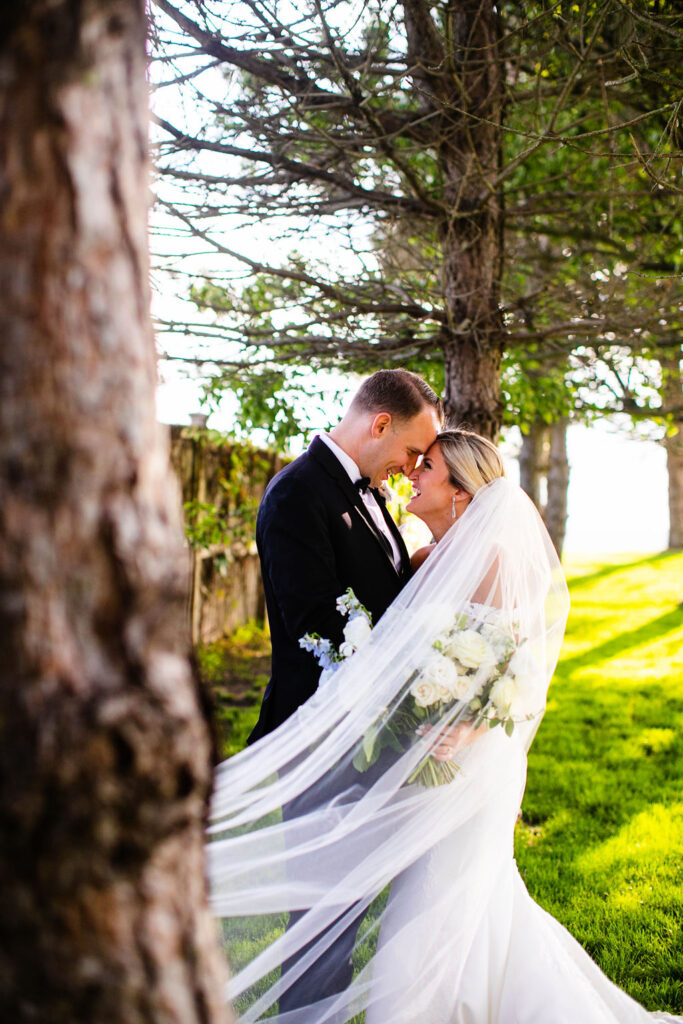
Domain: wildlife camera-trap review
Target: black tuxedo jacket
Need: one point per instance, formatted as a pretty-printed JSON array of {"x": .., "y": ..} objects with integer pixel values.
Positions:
[{"x": 316, "y": 538}]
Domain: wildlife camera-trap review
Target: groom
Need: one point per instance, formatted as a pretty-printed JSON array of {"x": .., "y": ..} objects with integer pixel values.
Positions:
[{"x": 323, "y": 527}]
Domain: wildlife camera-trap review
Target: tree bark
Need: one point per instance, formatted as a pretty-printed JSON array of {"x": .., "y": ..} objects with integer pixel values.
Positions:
[
  {"x": 472, "y": 387},
  {"x": 674, "y": 465},
  {"x": 558, "y": 485},
  {"x": 543, "y": 456},
  {"x": 104, "y": 751},
  {"x": 473, "y": 244},
  {"x": 533, "y": 461},
  {"x": 673, "y": 442},
  {"x": 459, "y": 75}
]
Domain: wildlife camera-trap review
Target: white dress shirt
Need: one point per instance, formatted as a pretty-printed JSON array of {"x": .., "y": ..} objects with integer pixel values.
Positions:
[{"x": 368, "y": 497}]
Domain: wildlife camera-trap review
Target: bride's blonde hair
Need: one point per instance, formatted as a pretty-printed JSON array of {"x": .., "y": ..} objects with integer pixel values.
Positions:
[{"x": 472, "y": 460}]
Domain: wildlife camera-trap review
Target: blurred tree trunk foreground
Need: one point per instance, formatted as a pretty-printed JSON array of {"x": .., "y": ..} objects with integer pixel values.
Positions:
[{"x": 104, "y": 751}]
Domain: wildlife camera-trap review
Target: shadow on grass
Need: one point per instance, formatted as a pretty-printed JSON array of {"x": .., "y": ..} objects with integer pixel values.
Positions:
[
  {"x": 652, "y": 630},
  {"x": 609, "y": 570}
]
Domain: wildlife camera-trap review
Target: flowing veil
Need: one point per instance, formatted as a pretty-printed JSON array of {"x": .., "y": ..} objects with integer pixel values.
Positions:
[{"x": 347, "y": 797}]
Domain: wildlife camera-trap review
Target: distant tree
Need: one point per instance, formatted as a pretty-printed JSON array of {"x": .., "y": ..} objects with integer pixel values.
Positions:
[
  {"x": 104, "y": 752},
  {"x": 541, "y": 399}
]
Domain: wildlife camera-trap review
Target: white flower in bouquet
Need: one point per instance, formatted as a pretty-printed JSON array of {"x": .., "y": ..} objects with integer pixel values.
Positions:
[
  {"x": 356, "y": 631},
  {"x": 440, "y": 671},
  {"x": 471, "y": 649},
  {"x": 498, "y": 620},
  {"x": 500, "y": 641},
  {"x": 464, "y": 687},
  {"x": 425, "y": 692},
  {"x": 519, "y": 662},
  {"x": 506, "y": 697}
]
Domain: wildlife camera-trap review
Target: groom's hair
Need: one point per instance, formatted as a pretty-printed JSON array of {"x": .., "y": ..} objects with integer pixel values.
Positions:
[{"x": 399, "y": 392}]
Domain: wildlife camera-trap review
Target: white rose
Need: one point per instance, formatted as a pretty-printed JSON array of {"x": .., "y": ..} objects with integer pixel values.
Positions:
[
  {"x": 470, "y": 648},
  {"x": 505, "y": 696},
  {"x": 440, "y": 671},
  {"x": 356, "y": 630},
  {"x": 347, "y": 649},
  {"x": 425, "y": 693},
  {"x": 464, "y": 688}
]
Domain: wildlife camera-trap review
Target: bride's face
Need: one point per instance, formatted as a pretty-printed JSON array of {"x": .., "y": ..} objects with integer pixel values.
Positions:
[{"x": 432, "y": 490}]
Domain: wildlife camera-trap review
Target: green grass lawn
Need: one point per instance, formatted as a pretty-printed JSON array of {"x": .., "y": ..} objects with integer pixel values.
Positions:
[{"x": 600, "y": 843}]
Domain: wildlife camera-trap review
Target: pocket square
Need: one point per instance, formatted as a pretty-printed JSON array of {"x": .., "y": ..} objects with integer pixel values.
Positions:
[{"x": 346, "y": 516}]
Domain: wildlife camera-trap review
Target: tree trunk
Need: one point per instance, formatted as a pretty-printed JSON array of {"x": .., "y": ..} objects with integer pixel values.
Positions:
[
  {"x": 458, "y": 75},
  {"x": 673, "y": 405},
  {"x": 472, "y": 388},
  {"x": 543, "y": 456},
  {"x": 104, "y": 753},
  {"x": 533, "y": 461},
  {"x": 473, "y": 231},
  {"x": 674, "y": 465},
  {"x": 558, "y": 485}
]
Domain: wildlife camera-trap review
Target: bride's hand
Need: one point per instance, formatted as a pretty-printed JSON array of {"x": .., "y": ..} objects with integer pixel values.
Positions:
[{"x": 451, "y": 739}]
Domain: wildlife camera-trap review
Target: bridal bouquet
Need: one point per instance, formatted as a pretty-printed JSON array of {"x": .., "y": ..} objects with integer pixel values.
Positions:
[{"x": 470, "y": 675}]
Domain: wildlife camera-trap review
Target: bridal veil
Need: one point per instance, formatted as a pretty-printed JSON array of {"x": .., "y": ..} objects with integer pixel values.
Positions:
[{"x": 465, "y": 654}]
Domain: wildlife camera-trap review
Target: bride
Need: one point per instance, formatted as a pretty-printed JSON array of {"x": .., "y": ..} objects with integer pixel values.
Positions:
[{"x": 392, "y": 794}]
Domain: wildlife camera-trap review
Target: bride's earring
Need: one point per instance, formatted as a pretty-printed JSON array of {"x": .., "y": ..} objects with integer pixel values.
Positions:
[{"x": 453, "y": 508}]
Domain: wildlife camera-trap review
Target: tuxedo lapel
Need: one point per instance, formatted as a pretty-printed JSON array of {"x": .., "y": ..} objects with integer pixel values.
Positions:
[
  {"x": 366, "y": 516},
  {"x": 395, "y": 532},
  {"x": 322, "y": 454}
]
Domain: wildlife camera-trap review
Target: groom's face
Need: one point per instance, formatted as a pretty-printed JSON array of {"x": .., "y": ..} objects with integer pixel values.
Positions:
[{"x": 394, "y": 446}]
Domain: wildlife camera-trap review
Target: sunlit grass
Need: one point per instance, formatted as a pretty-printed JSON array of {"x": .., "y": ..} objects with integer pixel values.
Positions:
[{"x": 601, "y": 841}]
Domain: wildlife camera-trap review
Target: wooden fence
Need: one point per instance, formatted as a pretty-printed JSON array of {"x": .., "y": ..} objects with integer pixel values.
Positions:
[{"x": 222, "y": 482}]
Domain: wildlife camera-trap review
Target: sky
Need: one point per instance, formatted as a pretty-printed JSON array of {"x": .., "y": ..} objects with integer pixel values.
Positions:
[{"x": 617, "y": 488}]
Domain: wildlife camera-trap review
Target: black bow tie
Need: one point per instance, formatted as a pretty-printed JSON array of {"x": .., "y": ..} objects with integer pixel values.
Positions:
[{"x": 363, "y": 484}]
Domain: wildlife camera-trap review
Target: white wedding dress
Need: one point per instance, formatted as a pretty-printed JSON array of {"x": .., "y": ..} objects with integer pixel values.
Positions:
[
  {"x": 517, "y": 965},
  {"x": 308, "y": 823}
]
